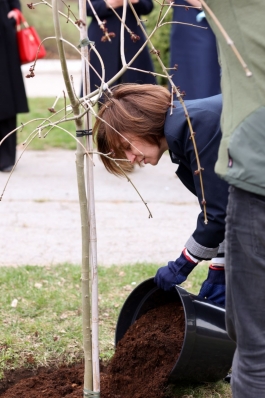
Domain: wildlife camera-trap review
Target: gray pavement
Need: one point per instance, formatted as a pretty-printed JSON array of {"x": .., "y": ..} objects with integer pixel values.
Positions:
[
  {"x": 40, "y": 220},
  {"x": 48, "y": 80}
]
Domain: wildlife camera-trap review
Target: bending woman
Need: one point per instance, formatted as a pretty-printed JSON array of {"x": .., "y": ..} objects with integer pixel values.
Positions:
[{"x": 141, "y": 114}]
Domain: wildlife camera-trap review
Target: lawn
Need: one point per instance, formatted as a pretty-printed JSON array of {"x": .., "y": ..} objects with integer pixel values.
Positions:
[
  {"x": 41, "y": 316},
  {"x": 39, "y": 112}
]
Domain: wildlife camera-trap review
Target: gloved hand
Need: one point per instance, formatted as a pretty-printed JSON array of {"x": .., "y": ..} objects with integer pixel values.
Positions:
[
  {"x": 213, "y": 288},
  {"x": 175, "y": 272}
]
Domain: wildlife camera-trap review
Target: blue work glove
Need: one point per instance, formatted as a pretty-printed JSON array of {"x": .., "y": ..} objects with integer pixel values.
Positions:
[
  {"x": 175, "y": 272},
  {"x": 213, "y": 288}
]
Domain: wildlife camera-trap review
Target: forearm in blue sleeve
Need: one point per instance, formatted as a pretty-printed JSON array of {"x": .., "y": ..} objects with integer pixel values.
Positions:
[
  {"x": 101, "y": 9},
  {"x": 143, "y": 7}
]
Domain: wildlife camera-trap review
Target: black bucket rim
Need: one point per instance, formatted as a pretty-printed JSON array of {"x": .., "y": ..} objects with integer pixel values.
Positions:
[{"x": 190, "y": 328}]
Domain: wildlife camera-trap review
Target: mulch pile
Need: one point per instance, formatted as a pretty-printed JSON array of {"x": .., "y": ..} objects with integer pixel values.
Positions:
[{"x": 139, "y": 369}]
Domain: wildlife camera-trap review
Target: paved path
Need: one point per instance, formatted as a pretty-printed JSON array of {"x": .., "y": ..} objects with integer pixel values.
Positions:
[
  {"x": 40, "y": 221},
  {"x": 48, "y": 80}
]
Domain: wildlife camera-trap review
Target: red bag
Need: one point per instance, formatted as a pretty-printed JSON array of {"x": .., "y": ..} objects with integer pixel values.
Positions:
[{"x": 29, "y": 43}]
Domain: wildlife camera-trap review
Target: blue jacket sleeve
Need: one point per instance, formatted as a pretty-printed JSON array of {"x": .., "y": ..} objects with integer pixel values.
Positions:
[
  {"x": 205, "y": 119},
  {"x": 101, "y": 9},
  {"x": 143, "y": 7},
  {"x": 206, "y": 124}
]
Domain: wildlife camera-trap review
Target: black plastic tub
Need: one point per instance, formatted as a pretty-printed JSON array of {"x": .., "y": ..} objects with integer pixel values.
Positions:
[{"x": 207, "y": 351}]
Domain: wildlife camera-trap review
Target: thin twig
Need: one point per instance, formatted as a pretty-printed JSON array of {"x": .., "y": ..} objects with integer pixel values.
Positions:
[
  {"x": 127, "y": 177},
  {"x": 147, "y": 71},
  {"x": 14, "y": 167}
]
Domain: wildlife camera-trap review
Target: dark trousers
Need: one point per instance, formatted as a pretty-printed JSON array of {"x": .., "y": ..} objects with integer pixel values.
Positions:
[
  {"x": 8, "y": 147},
  {"x": 245, "y": 291}
]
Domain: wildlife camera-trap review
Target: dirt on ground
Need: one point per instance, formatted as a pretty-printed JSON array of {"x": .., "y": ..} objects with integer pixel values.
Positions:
[{"x": 139, "y": 368}]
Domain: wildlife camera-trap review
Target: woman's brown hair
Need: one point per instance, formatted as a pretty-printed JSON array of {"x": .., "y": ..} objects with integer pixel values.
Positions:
[{"x": 136, "y": 109}]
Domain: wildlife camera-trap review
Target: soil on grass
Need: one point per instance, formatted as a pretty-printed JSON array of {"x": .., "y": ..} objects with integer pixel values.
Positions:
[{"x": 139, "y": 368}]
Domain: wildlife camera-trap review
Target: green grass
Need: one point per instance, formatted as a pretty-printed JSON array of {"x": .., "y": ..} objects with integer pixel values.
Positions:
[
  {"x": 207, "y": 390},
  {"x": 56, "y": 138},
  {"x": 45, "y": 328}
]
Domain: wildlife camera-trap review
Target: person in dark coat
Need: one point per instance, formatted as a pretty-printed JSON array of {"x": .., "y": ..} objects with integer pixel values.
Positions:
[
  {"x": 110, "y": 50},
  {"x": 13, "y": 95},
  {"x": 142, "y": 114},
  {"x": 194, "y": 50}
]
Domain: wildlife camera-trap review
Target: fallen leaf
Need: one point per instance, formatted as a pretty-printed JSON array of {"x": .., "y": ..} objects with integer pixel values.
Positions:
[
  {"x": 127, "y": 288},
  {"x": 38, "y": 285},
  {"x": 14, "y": 303}
]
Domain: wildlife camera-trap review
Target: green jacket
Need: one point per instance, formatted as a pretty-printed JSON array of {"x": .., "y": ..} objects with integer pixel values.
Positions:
[{"x": 241, "y": 159}]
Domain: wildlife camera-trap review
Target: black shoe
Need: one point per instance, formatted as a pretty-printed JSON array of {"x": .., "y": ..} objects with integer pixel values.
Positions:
[{"x": 7, "y": 169}]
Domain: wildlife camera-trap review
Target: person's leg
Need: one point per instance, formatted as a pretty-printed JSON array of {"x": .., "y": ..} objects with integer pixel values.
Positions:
[
  {"x": 245, "y": 291},
  {"x": 8, "y": 147}
]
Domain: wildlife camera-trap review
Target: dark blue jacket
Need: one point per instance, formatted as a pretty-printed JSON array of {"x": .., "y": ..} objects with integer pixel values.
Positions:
[
  {"x": 205, "y": 119},
  {"x": 110, "y": 51},
  {"x": 194, "y": 50}
]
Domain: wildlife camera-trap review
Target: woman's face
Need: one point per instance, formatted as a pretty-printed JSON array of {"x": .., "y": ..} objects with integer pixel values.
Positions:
[{"x": 140, "y": 151}]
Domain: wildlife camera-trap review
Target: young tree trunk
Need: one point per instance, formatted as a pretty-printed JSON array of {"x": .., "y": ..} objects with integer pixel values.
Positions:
[
  {"x": 91, "y": 209},
  {"x": 85, "y": 224}
]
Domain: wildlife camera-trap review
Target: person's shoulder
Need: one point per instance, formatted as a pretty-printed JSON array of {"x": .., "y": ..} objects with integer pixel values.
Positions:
[{"x": 209, "y": 104}]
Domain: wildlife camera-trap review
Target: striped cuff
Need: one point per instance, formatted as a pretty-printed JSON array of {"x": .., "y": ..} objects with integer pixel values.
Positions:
[
  {"x": 189, "y": 256},
  {"x": 218, "y": 261},
  {"x": 217, "y": 267},
  {"x": 200, "y": 252}
]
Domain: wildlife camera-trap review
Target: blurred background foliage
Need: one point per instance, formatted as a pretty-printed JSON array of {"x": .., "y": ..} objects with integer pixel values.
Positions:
[
  {"x": 41, "y": 19},
  {"x": 160, "y": 39}
]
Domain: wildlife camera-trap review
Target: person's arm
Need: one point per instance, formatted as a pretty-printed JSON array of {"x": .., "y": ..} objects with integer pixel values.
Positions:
[
  {"x": 205, "y": 242},
  {"x": 143, "y": 7},
  {"x": 12, "y": 14},
  {"x": 101, "y": 9},
  {"x": 195, "y": 3}
]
